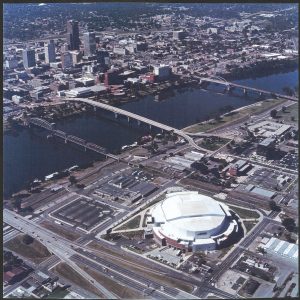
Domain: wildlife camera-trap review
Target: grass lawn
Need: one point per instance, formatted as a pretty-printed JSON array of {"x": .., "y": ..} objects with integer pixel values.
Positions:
[
  {"x": 291, "y": 111},
  {"x": 35, "y": 251},
  {"x": 234, "y": 116},
  {"x": 117, "y": 288},
  {"x": 213, "y": 143},
  {"x": 132, "y": 224},
  {"x": 245, "y": 213},
  {"x": 60, "y": 230},
  {"x": 249, "y": 225},
  {"x": 64, "y": 270},
  {"x": 59, "y": 293}
]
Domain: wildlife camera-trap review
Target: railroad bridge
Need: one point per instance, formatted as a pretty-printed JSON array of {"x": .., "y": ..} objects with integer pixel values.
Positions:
[{"x": 69, "y": 138}]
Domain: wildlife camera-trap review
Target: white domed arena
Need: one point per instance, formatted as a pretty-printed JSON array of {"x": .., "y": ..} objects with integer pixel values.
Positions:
[{"x": 191, "y": 222}]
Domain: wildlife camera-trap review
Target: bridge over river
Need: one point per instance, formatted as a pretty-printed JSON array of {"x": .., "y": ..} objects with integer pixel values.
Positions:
[
  {"x": 130, "y": 115},
  {"x": 231, "y": 85},
  {"x": 70, "y": 138}
]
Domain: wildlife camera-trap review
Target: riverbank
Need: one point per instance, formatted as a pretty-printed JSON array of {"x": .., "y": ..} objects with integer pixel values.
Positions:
[
  {"x": 235, "y": 116},
  {"x": 261, "y": 69}
]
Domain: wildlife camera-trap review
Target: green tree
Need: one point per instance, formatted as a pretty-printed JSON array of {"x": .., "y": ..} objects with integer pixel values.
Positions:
[
  {"x": 289, "y": 224},
  {"x": 27, "y": 239},
  {"x": 273, "y": 113},
  {"x": 72, "y": 179},
  {"x": 274, "y": 206}
]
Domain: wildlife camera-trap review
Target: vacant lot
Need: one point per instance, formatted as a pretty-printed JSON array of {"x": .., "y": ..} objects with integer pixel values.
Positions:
[
  {"x": 213, "y": 143},
  {"x": 34, "y": 251},
  {"x": 60, "y": 230},
  {"x": 64, "y": 270},
  {"x": 245, "y": 213},
  {"x": 235, "y": 116},
  {"x": 249, "y": 225},
  {"x": 132, "y": 224},
  {"x": 111, "y": 285}
]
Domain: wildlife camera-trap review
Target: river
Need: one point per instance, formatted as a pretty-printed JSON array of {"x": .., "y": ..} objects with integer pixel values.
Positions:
[{"x": 29, "y": 155}]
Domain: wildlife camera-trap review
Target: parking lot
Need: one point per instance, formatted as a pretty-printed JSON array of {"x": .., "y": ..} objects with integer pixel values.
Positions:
[
  {"x": 290, "y": 161},
  {"x": 268, "y": 179},
  {"x": 84, "y": 213}
]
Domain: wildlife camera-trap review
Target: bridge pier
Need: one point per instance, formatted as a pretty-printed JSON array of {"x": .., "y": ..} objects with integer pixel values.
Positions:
[
  {"x": 128, "y": 119},
  {"x": 139, "y": 123},
  {"x": 245, "y": 91},
  {"x": 229, "y": 88},
  {"x": 66, "y": 140},
  {"x": 95, "y": 108},
  {"x": 116, "y": 115},
  {"x": 150, "y": 126}
]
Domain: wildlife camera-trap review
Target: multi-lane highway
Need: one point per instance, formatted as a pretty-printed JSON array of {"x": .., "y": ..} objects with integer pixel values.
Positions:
[
  {"x": 56, "y": 244},
  {"x": 65, "y": 251}
]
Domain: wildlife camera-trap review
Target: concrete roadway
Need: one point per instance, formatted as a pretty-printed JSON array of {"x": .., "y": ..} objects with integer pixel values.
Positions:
[
  {"x": 58, "y": 246},
  {"x": 124, "y": 276},
  {"x": 64, "y": 250},
  {"x": 235, "y": 254}
]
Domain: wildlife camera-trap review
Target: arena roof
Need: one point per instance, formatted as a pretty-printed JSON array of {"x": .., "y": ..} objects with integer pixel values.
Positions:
[{"x": 189, "y": 215}]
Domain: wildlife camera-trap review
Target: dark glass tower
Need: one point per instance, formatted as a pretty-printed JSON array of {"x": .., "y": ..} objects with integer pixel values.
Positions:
[{"x": 73, "y": 35}]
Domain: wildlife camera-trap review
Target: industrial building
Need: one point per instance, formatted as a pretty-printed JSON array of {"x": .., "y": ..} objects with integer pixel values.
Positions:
[
  {"x": 283, "y": 248},
  {"x": 265, "y": 145},
  {"x": 260, "y": 192},
  {"x": 240, "y": 167},
  {"x": 190, "y": 221},
  {"x": 268, "y": 129}
]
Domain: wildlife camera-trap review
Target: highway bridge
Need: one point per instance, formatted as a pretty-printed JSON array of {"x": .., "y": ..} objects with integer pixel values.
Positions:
[
  {"x": 118, "y": 111},
  {"x": 70, "y": 138},
  {"x": 230, "y": 86}
]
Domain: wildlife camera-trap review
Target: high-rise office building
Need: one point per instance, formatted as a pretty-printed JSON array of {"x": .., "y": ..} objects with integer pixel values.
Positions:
[
  {"x": 102, "y": 57},
  {"x": 66, "y": 60},
  {"x": 73, "y": 35},
  {"x": 89, "y": 41},
  {"x": 179, "y": 35},
  {"x": 50, "y": 52},
  {"x": 28, "y": 58}
]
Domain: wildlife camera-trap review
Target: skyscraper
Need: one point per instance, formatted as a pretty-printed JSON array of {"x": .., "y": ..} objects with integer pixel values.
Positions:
[
  {"x": 73, "y": 35},
  {"x": 28, "y": 58},
  {"x": 66, "y": 60},
  {"x": 102, "y": 57},
  {"x": 50, "y": 52},
  {"x": 89, "y": 41}
]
